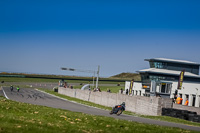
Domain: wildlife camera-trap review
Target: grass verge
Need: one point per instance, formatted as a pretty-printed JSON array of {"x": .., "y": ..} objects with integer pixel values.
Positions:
[
  {"x": 23, "y": 118},
  {"x": 113, "y": 89}
]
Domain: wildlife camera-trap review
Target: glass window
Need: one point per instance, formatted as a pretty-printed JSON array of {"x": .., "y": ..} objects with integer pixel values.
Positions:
[
  {"x": 168, "y": 88},
  {"x": 165, "y": 87},
  {"x": 159, "y": 65}
]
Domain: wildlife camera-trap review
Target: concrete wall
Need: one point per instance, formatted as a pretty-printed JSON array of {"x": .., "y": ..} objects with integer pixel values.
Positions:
[{"x": 137, "y": 104}]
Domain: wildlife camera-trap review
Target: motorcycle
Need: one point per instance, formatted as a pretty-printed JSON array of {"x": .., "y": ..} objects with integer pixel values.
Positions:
[{"x": 117, "y": 110}]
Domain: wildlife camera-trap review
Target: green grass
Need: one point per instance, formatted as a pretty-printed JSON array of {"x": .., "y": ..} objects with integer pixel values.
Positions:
[
  {"x": 67, "y": 77},
  {"x": 27, "y": 118},
  {"x": 40, "y": 80},
  {"x": 162, "y": 118},
  {"x": 114, "y": 89}
]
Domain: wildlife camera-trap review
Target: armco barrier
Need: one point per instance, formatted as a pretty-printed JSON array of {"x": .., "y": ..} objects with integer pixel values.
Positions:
[{"x": 138, "y": 104}]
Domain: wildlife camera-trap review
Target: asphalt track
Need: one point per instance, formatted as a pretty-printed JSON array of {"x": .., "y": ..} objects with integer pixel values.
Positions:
[{"x": 37, "y": 97}]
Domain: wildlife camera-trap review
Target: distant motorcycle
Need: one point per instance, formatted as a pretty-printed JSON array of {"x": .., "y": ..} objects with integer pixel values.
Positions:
[{"x": 118, "y": 109}]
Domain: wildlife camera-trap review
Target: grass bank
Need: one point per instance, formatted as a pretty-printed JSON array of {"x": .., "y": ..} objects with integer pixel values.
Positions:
[{"x": 23, "y": 117}]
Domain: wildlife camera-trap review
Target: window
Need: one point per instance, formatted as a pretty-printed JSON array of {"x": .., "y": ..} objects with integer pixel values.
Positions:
[
  {"x": 165, "y": 87},
  {"x": 158, "y": 65},
  {"x": 168, "y": 88}
]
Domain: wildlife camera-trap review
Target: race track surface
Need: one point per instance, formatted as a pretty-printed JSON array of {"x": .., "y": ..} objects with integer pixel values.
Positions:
[{"x": 33, "y": 96}]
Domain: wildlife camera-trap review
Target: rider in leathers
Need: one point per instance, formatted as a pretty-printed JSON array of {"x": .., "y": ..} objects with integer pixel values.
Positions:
[{"x": 118, "y": 107}]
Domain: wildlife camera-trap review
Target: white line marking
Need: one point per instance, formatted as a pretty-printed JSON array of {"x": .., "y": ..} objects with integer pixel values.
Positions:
[{"x": 4, "y": 93}]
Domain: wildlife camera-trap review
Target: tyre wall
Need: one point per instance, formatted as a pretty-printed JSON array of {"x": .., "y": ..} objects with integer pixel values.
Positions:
[{"x": 189, "y": 108}]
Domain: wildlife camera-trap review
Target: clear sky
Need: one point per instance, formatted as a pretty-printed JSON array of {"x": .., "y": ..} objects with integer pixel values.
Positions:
[{"x": 40, "y": 36}]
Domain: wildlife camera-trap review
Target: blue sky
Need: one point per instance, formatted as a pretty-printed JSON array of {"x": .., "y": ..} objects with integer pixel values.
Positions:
[{"x": 41, "y": 36}]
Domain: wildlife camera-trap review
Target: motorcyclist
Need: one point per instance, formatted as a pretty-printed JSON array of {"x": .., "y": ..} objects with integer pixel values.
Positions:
[
  {"x": 119, "y": 107},
  {"x": 11, "y": 88},
  {"x": 18, "y": 89},
  {"x": 123, "y": 106}
]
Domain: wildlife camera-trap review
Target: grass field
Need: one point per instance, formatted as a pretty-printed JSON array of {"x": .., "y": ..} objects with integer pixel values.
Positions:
[
  {"x": 114, "y": 88},
  {"x": 26, "y": 118},
  {"x": 40, "y": 80}
]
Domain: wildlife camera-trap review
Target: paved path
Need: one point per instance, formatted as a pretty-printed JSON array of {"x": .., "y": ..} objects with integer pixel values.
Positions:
[{"x": 40, "y": 98}]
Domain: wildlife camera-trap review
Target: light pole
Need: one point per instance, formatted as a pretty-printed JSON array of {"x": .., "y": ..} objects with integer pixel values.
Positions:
[
  {"x": 87, "y": 71},
  {"x": 97, "y": 76}
]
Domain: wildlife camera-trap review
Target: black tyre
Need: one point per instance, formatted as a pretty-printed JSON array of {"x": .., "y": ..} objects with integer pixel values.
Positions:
[
  {"x": 191, "y": 117},
  {"x": 191, "y": 112},
  {"x": 182, "y": 117},
  {"x": 119, "y": 112},
  {"x": 173, "y": 114},
  {"x": 195, "y": 119},
  {"x": 111, "y": 112}
]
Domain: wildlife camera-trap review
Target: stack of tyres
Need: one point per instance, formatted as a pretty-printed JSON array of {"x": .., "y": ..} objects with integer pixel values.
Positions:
[
  {"x": 196, "y": 118},
  {"x": 179, "y": 114},
  {"x": 182, "y": 114},
  {"x": 163, "y": 111},
  {"x": 173, "y": 113},
  {"x": 192, "y": 116},
  {"x": 166, "y": 111}
]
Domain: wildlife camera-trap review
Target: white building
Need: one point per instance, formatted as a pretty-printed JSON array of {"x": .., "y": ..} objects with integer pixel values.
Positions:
[{"x": 162, "y": 79}]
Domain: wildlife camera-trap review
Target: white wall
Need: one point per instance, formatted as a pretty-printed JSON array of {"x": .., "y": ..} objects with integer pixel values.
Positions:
[
  {"x": 127, "y": 85},
  {"x": 137, "y": 86},
  {"x": 188, "y": 88}
]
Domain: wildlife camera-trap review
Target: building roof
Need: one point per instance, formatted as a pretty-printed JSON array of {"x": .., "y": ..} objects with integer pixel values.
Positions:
[
  {"x": 168, "y": 72},
  {"x": 173, "y": 61}
]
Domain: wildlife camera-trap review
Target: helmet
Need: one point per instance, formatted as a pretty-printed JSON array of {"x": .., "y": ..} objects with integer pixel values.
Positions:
[{"x": 123, "y": 103}]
